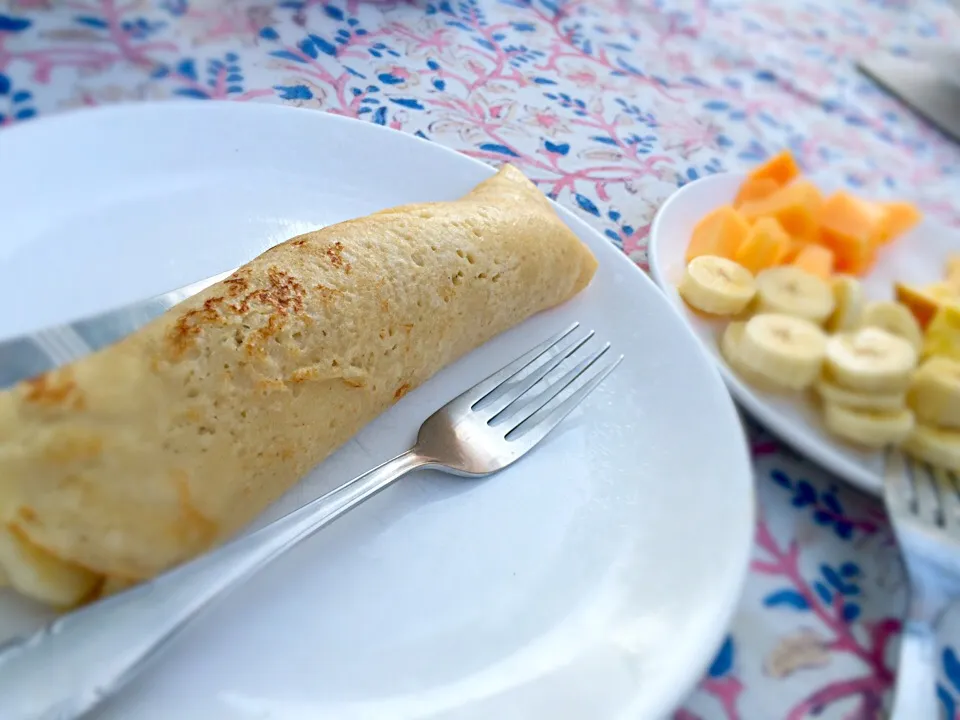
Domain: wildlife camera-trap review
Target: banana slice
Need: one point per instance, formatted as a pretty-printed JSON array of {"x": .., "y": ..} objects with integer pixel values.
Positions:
[
  {"x": 730, "y": 349},
  {"x": 895, "y": 319},
  {"x": 716, "y": 285},
  {"x": 791, "y": 291},
  {"x": 953, "y": 272},
  {"x": 872, "y": 429},
  {"x": 730, "y": 345},
  {"x": 943, "y": 333},
  {"x": 36, "y": 573},
  {"x": 936, "y": 446},
  {"x": 785, "y": 350},
  {"x": 830, "y": 392},
  {"x": 870, "y": 360},
  {"x": 848, "y": 304},
  {"x": 934, "y": 393}
]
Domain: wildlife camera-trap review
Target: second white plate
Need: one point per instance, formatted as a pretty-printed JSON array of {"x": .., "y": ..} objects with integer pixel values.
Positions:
[{"x": 917, "y": 257}]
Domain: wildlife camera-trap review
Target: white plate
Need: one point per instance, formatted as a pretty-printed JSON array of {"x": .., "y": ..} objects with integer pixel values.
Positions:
[
  {"x": 917, "y": 257},
  {"x": 592, "y": 580}
]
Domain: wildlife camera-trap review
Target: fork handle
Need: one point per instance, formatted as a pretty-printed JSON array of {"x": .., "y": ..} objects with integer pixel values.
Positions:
[
  {"x": 915, "y": 695},
  {"x": 76, "y": 662}
]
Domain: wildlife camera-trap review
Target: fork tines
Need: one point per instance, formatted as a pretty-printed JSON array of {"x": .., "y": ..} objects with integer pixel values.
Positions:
[
  {"x": 536, "y": 391},
  {"x": 919, "y": 489}
]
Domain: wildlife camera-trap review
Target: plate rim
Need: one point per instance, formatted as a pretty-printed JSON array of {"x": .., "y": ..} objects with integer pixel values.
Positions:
[{"x": 726, "y": 603}]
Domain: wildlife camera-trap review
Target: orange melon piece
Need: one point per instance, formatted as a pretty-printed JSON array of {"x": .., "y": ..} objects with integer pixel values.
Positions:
[
  {"x": 718, "y": 233},
  {"x": 877, "y": 214},
  {"x": 901, "y": 217},
  {"x": 852, "y": 256},
  {"x": 764, "y": 246},
  {"x": 793, "y": 249},
  {"x": 781, "y": 169},
  {"x": 754, "y": 189},
  {"x": 796, "y": 207},
  {"x": 816, "y": 260},
  {"x": 852, "y": 229},
  {"x": 924, "y": 302}
]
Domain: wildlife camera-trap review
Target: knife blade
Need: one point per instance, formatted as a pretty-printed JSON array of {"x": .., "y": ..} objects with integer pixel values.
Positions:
[{"x": 28, "y": 355}]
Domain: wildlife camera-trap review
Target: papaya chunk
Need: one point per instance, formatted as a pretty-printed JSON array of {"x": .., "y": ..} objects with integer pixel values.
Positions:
[
  {"x": 754, "y": 189},
  {"x": 764, "y": 246},
  {"x": 852, "y": 229},
  {"x": 923, "y": 302},
  {"x": 796, "y": 207},
  {"x": 875, "y": 213},
  {"x": 793, "y": 249},
  {"x": 719, "y": 233},
  {"x": 781, "y": 168},
  {"x": 816, "y": 260},
  {"x": 901, "y": 217}
]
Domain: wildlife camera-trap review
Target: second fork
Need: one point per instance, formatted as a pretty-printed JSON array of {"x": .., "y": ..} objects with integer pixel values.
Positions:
[{"x": 924, "y": 507}]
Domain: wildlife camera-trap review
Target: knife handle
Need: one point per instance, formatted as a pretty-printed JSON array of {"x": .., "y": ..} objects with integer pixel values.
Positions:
[{"x": 26, "y": 356}]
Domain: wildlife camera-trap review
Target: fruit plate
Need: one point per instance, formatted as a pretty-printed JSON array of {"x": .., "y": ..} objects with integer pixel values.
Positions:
[{"x": 917, "y": 257}]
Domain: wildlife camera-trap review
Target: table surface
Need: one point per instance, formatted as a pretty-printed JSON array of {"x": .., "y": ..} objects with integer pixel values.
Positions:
[{"x": 608, "y": 105}]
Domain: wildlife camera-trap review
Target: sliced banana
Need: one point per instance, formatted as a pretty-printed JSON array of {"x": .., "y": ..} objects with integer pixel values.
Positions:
[
  {"x": 872, "y": 429},
  {"x": 895, "y": 319},
  {"x": 730, "y": 343},
  {"x": 942, "y": 336},
  {"x": 730, "y": 349},
  {"x": 953, "y": 272},
  {"x": 936, "y": 446},
  {"x": 870, "y": 360},
  {"x": 36, "y": 573},
  {"x": 877, "y": 402},
  {"x": 785, "y": 350},
  {"x": 791, "y": 291},
  {"x": 934, "y": 393},
  {"x": 848, "y": 304},
  {"x": 717, "y": 285}
]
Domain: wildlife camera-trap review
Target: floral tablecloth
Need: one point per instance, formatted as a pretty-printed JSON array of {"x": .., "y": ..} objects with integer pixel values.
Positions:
[{"x": 608, "y": 105}]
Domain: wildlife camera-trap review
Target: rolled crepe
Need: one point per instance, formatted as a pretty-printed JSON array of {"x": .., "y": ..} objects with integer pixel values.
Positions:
[{"x": 150, "y": 451}]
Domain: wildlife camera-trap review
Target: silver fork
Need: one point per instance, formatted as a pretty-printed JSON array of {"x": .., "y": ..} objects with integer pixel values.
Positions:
[
  {"x": 73, "y": 664},
  {"x": 924, "y": 505}
]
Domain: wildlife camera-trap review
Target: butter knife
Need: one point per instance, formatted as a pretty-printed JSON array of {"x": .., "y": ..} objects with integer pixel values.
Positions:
[{"x": 25, "y": 356}]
